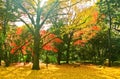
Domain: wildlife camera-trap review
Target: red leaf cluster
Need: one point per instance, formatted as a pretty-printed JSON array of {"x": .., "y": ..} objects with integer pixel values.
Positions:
[{"x": 49, "y": 47}]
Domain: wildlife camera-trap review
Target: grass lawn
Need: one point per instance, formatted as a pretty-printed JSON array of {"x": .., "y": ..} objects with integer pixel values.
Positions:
[{"x": 59, "y": 72}]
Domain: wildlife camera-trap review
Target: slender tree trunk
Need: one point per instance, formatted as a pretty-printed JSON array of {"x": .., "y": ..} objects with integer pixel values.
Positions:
[
  {"x": 109, "y": 47},
  {"x": 0, "y": 59},
  {"x": 47, "y": 59},
  {"x": 67, "y": 54},
  {"x": 109, "y": 34},
  {"x": 36, "y": 51},
  {"x": 6, "y": 58},
  {"x": 68, "y": 48},
  {"x": 0, "y": 53},
  {"x": 59, "y": 58}
]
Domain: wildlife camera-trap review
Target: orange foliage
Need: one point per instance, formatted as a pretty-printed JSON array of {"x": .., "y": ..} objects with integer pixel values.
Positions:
[
  {"x": 87, "y": 34},
  {"x": 96, "y": 28},
  {"x": 57, "y": 40},
  {"x": 14, "y": 49},
  {"x": 55, "y": 50},
  {"x": 79, "y": 42},
  {"x": 49, "y": 47},
  {"x": 13, "y": 44},
  {"x": 24, "y": 52},
  {"x": 78, "y": 33},
  {"x": 42, "y": 32},
  {"x": 18, "y": 30},
  {"x": 95, "y": 16},
  {"x": 51, "y": 35},
  {"x": 50, "y": 39}
]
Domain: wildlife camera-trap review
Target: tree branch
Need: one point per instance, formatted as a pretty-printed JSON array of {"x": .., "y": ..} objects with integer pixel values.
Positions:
[
  {"x": 27, "y": 26},
  {"x": 49, "y": 12},
  {"x": 24, "y": 9}
]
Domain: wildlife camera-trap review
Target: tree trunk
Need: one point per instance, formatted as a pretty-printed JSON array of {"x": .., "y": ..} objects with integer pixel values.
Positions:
[
  {"x": 59, "y": 58},
  {"x": 6, "y": 58},
  {"x": 67, "y": 56},
  {"x": 0, "y": 59},
  {"x": 68, "y": 47},
  {"x": 36, "y": 51},
  {"x": 109, "y": 34}
]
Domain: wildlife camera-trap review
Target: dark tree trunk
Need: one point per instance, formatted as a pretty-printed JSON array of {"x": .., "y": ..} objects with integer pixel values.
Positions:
[
  {"x": 68, "y": 47},
  {"x": 0, "y": 59},
  {"x": 109, "y": 46},
  {"x": 6, "y": 58},
  {"x": 59, "y": 58},
  {"x": 67, "y": 55},
  {"x": 36, "y": 51},
  {"x": 0, "y": 53},
  {"x": 109, "y": 34},
  {"x": 47, "y": 60}
]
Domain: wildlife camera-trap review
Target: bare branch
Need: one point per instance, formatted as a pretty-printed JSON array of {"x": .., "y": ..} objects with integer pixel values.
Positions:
[
  {"x": 27, "y": 26},
  {"x": 47, "y": 42},
  {"x": 69, "y": 5},
  {"x": 49, "y": 12},
  {"x": 28, "y": 14}
]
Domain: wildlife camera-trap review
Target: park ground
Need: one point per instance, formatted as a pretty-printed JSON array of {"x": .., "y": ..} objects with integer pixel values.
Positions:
[{"x": 64, "y": 71}]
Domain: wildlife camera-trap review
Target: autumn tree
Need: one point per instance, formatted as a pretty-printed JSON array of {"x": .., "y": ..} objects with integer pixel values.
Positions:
[
  {"x": 78, "y": 26},
  {"x": 38, "y": 14}
]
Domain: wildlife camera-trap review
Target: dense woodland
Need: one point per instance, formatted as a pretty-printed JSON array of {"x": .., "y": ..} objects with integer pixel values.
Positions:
[{"x": 76, "y": 33}]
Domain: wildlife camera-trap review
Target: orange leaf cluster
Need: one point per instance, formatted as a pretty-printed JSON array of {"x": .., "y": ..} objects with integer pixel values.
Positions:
[
  {"x": 78, "y": 33},
  {"x": 13, "y": 44},
  {"x": 42, "y": 32},
  {"x": 57, "y": 40},
  {"x": 79, "y": 42},
  {"x": 16, "y": 47},
  {"x": 19, "y": 31},
  {"x": 95, "y": 16},
  {"x": 87, "y": 34},
  {"x": 96, "y": 28},
  {"x": 49, "y": 47},
  {"x": 13, "y": 50},
  {"x": 51, "y": 39}
]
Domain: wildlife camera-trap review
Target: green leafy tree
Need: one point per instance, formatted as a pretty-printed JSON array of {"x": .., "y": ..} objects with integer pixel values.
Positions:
[
  {"x": 109, "y": 13},
  {"x": 6, "y": 16}
]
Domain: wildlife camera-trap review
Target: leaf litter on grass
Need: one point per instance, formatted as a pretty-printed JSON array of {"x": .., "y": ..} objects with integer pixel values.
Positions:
[{"x": 64, "y": 71}]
